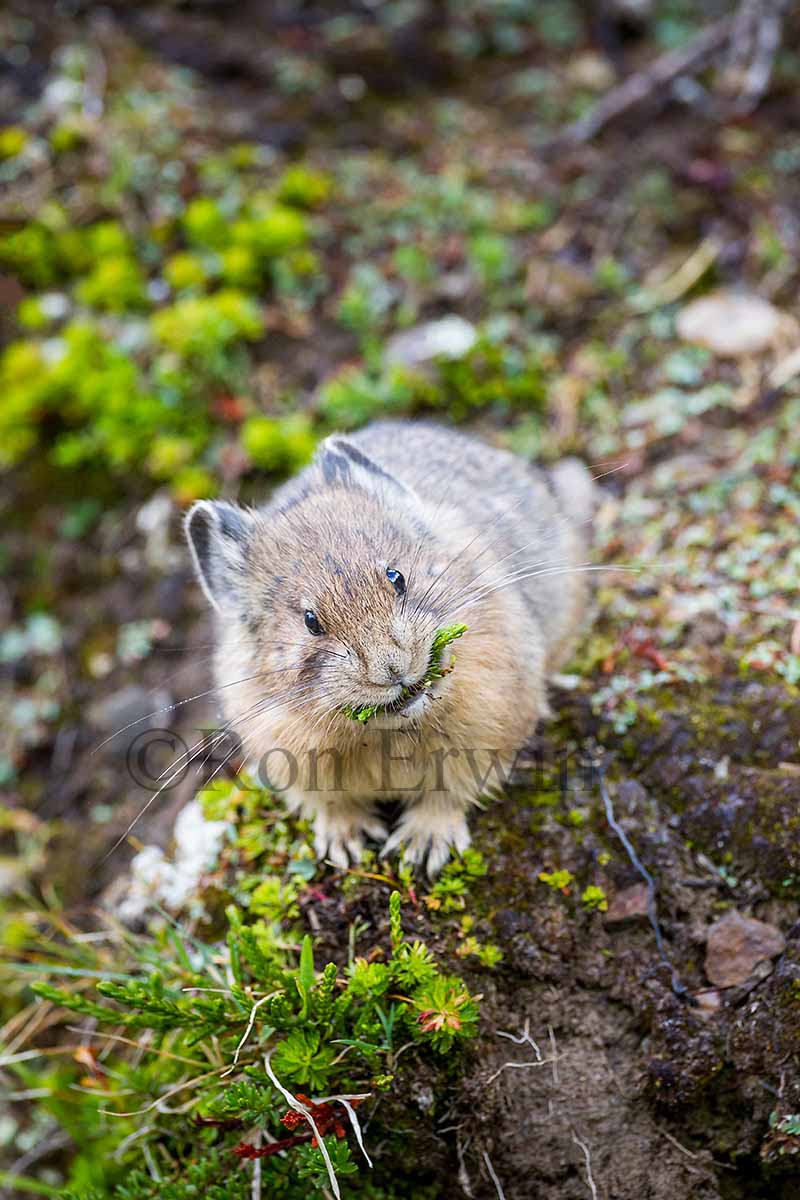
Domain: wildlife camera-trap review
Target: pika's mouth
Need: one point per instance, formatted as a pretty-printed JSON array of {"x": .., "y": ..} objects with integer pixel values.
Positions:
[
  {"x": 402, "y": 703},
  {"x": 410, "y": 694}
]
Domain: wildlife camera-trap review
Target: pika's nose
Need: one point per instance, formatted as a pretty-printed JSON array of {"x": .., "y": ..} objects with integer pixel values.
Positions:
[{"x": 394, "y": 668}]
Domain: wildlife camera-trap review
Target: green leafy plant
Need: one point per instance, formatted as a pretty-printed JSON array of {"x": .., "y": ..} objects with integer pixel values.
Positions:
[
  {"x": 453, "y": 885},
  {"x": 363, "y": 307},
  {"x": 354, "y": 396},
  {"x": 559, "y": 881},
  {"x": 227, "y": 1033},
  {"x": 115, "y": 285},
  {"x": 185, "y": 270},
  {"x": 279, "y": 443},
  {"x": 199, "y": 328},
  {"x": 594, "y": 899},
  {"x": 13, "y": 140},
  {"x": 304, "y": 187}
]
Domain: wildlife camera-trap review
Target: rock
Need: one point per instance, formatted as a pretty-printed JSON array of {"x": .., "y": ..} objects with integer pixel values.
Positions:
[
  {"x": 453, "y": 286},
  {"x": 449, "y": 337},
  {"x": 628, "y": 905},
  {"x": 12, "y": 876},
  {"x": 591, "y": 71},
  {"x": 55, "y": 305},
  {"x": 638, "y": 11},
  {"x": 736, "y": 944},
  {"x": 61, "y": 94},
  {"x": 708, "y": 1003},
  {"x": 730, "y": 324},
  {"x": 132, "y": 704},
  {"x": 154, "y": 520},
  {"x": 156, "y": 513}
]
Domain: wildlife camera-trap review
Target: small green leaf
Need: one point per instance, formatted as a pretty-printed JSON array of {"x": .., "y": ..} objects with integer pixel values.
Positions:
[
  {"x": 306, "y": 974},
  {"x": 395, "y": 921}
]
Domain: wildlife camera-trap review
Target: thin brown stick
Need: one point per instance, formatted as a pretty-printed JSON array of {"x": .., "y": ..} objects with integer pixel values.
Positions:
[{"x": 649, "y": 82}]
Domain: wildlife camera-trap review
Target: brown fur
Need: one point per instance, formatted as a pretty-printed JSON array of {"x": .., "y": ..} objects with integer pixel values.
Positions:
[{"x": 456, "y": 517}]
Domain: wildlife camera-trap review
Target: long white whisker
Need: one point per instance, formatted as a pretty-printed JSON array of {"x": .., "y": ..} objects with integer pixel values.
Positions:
[
  {"x": 259, "y": 721},
  {"x": 177, "y": 704},
  {"x": 446, "y": 484},
  {"x": 579, "y": 569},
  {"x": 525, "y": 495},
  {"x": 446, "y": 602},
  {"x": 443, "y": 602},
  {"x": 187, "y": 758},
  {"x": 517, "y": 571},
  {"x": 498, "y": 516}
]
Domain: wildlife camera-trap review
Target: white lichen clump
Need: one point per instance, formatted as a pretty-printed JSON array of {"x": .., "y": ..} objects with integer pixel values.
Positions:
[{"x": 172, "y": 882}]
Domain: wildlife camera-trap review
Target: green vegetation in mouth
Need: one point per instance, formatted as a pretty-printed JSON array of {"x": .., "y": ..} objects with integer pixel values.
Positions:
[{"x": 444, "y": 637}]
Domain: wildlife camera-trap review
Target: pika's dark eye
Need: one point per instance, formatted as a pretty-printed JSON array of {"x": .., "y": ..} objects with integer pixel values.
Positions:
[
  {"x": 397, "y": 581},
  {"x": 312, "y": 624}
]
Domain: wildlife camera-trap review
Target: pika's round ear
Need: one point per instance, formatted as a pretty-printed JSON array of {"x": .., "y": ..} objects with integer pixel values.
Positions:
[
  {"x": 344, "y": 463},
  {"x": 218, "y": 534}
]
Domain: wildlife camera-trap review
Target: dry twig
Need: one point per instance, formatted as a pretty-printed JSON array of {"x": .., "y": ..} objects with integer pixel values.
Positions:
[
  {"x": 588, "y": 1160},
  {"x": 493, "y": 1176},
  {"x": 753, "y": 37},
  {"x": 644, "y": 84}
]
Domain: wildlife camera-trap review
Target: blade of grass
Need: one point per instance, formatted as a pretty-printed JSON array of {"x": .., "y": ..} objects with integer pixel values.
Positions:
[
  {"x": 43, "y": 968},
  {"x": 21, "y": 1183}
]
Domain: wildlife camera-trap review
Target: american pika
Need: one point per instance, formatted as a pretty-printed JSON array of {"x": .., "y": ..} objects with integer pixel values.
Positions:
[{"x": 330, "y": 596}]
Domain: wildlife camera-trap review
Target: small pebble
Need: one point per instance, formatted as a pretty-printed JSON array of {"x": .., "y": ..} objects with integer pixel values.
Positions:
[{"x": 736, "y": 944}]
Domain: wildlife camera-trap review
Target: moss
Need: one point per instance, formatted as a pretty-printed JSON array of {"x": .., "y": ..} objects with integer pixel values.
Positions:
[
  {"x": 192, "y": 483},
  {"x": 456, "y": 881},
  {"x": 13, "y": 140},
  {"x": 559, "y": 880},
  {"x": 270, "y": 230},
  {"x": 279, "y": 444},
  {"x": 115, "y": 285},
  {"x": 185, "y": 270},
  {"x": 205, "y": 223},
  {"x": 240, "y": 266},
  {"x": 143, "y": 396},
  {"x": 716, "y": 762},
  {"x": 67, "y": 136},
  {"x": 304, "y": 187},
  {"x": 594, "y": 898},
  {"x": 200, "y": 327}
]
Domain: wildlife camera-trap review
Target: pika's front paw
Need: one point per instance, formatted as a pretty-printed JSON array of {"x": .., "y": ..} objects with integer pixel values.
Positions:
[
  {"x": 339, "y": 835},
  {"x": 429, "y": 836}
]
